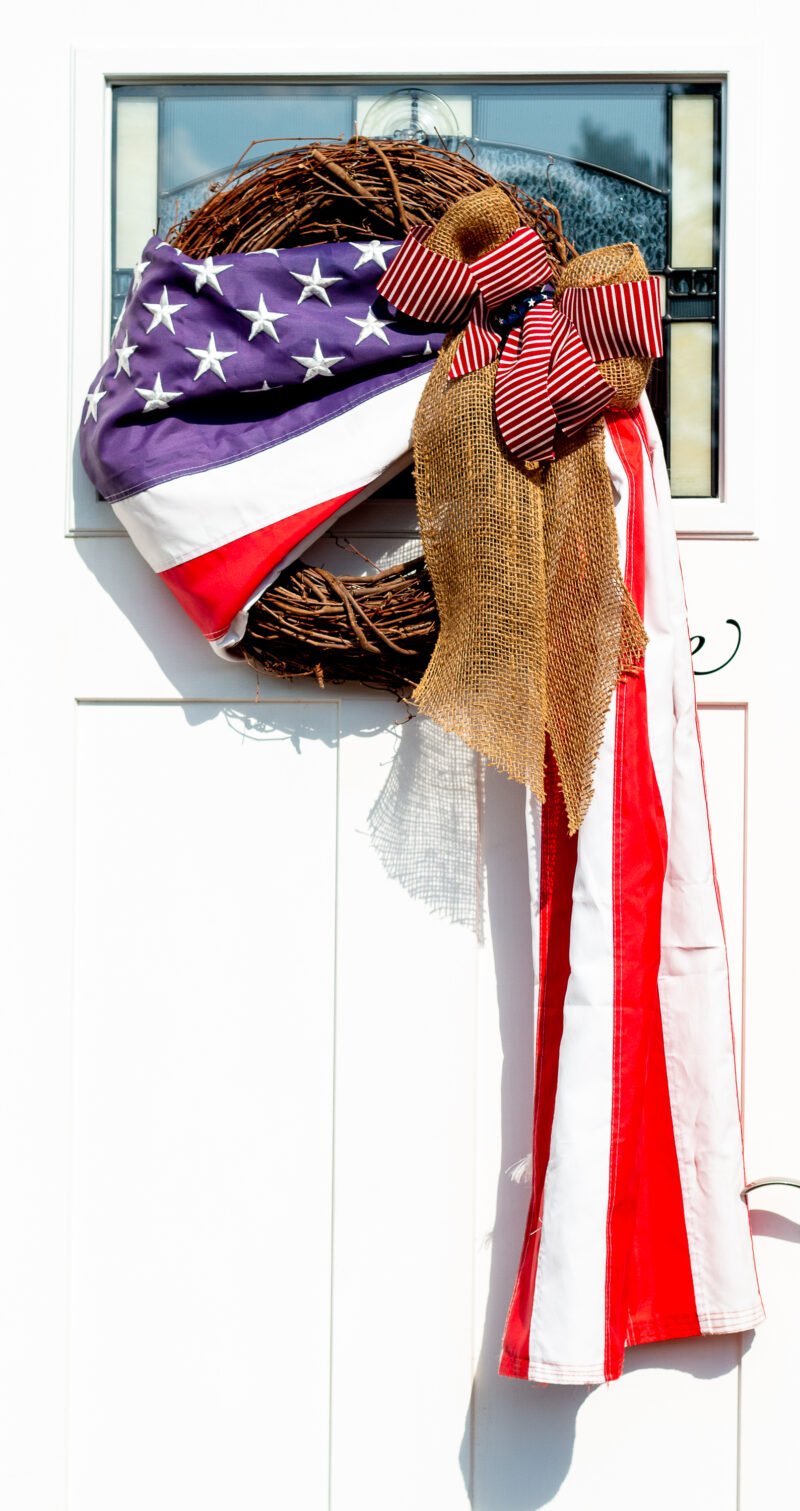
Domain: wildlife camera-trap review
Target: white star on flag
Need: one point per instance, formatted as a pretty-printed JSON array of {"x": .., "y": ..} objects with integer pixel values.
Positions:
[
  {"x": 370, "y": 327},
  {"x": 124, "y": 354},
  {"x": 262, "y": 320},
  {"x": 314, "y": 283},
  {"x": 207, "y": 272},
  {"x": 318, "y": 365},
  {"x": 371, "y": 251},
  {"x": 138, "y": 271},
  {"x": 211, "y": 360},
  {"x": 163, "y": 312},
  {"x": 93, "y": 399},
  {"x": 157, "y": 397}
]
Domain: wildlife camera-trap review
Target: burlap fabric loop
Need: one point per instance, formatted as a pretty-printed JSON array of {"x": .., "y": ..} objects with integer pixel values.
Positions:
[{"x": 536, "y": 623}]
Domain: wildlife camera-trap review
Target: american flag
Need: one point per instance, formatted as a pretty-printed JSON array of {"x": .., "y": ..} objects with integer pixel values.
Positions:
[{"x": 247, "y": 400}]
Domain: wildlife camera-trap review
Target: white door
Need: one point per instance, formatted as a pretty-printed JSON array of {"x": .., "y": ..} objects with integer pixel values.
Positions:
[{"x": 261, "y": 1073}]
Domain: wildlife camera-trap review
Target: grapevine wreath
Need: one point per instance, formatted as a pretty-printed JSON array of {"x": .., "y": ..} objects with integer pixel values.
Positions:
[{"x": 378, "y": 629}]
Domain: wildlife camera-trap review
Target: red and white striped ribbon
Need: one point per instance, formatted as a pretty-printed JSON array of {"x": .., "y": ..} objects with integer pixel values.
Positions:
[
  {"x": 525, "y": 412},
  {"x": 547, "y": 373},
  {"x": 520, "y": 263},
  {"x": 617, "y": 319},
  {"x": 426, "y": 285}
]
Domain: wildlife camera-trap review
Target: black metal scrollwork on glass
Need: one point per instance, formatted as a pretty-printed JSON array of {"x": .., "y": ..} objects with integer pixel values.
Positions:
[{"x": 698, "y": 641}]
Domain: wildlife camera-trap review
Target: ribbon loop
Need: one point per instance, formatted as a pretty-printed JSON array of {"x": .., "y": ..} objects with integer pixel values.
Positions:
[
  {"x": 425, "y": 285},
  {"x": 547, "y": 373}
]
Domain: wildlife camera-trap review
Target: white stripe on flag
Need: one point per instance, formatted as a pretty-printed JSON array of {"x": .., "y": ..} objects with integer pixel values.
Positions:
[
  {"x": 693, "y": 982},
  {"x": 188, "y": 516},
  {"x": 568, "y": 1329}
]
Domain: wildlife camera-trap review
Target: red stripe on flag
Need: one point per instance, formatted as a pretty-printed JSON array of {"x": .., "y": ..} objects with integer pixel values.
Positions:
[
  {"x": 654, "y": 1284},
  {"x": 559, "y": 852},
  {"x": 212, "y": 588}
]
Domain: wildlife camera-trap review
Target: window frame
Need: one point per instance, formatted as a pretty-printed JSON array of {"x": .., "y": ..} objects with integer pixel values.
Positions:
[{"x": 732, "y": 514}]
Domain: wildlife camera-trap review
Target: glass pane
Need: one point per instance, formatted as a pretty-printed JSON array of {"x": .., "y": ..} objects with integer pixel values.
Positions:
[
  {"x": 204, "y": 132},
  {"x": 690, "y": 409},
  {"x": 136, "y": 211},
  {"x": 693, "y": 181},
  {"x": 621, "y": 127},
  {"x": 597, "y": 208}
]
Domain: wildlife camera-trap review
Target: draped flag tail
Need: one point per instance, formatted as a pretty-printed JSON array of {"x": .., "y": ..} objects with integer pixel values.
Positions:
[{"x": 637, "y": 1230}]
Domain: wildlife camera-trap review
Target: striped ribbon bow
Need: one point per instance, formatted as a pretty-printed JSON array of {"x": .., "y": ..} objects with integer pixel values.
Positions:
[{"x": 547, "y": 373}]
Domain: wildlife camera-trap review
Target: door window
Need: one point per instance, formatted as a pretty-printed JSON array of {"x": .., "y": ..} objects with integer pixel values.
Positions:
[{"x": 630, "y": 161}]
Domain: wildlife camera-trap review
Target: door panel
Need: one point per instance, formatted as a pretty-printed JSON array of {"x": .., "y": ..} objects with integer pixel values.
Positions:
[
  {"x": 259, "y": 1239},
  {"x": 203, "y": 1039}
]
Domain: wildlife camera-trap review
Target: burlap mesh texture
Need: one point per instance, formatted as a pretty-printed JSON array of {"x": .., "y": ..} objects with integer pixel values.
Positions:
[{"x": 536, "y": 623}]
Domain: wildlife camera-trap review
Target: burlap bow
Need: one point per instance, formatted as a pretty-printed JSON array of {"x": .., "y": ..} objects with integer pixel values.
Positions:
[
  {"x": 546, "y": 374},
  {"x": 536, "y": 623}
]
